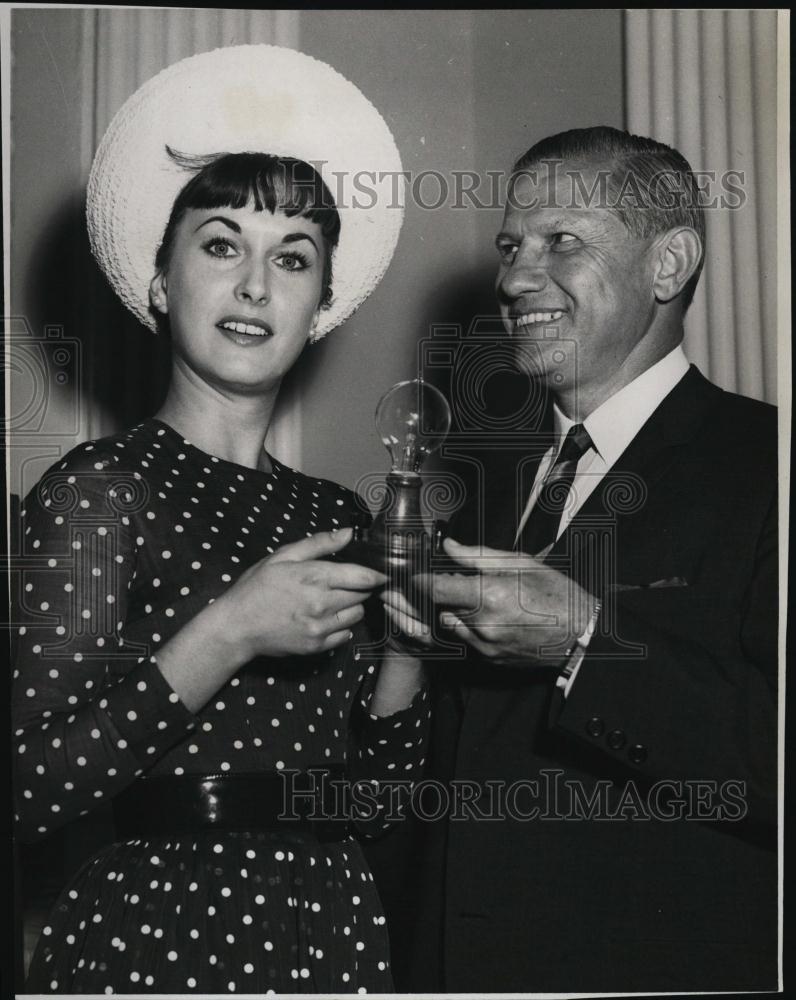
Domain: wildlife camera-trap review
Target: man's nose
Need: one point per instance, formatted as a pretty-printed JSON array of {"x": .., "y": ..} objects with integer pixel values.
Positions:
[
  {"x": 526, "y": 273},
  {"x": 253, "y": 283}
]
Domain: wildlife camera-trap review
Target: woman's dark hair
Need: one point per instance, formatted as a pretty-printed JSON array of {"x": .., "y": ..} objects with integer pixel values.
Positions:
[{"x": 233, "y": 180}]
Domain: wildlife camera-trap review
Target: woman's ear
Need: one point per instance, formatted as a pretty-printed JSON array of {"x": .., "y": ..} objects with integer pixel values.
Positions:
[
  {"x": 680, "y": 254},
  {"x": 314, "y": 325},
  {"x": 157, "y": 293}
]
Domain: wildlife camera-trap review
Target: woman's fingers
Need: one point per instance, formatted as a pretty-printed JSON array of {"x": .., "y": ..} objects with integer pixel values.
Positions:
[
  {"x": 324, "y": 543},
  {"x": 411, "y": 627},
  {"x": 350, "y": 576},
  {"x": 335, "y": 600},
  {"x": 346, "y": 617},
  {"x": 397, "y": 601},
  {"x": 336, "y": 639}
]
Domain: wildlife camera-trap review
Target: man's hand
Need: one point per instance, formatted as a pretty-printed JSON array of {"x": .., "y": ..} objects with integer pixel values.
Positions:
[{"x": 515, "y": 610}]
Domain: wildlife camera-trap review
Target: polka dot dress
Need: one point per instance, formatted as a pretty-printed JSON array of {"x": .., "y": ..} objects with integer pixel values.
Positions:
[{"x": 124, "y": 542}]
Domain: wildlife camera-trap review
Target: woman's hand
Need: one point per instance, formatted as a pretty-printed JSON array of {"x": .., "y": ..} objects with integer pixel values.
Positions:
[
  {"x": 291, "y": 603},
  {"x": 298, "y": 602}
]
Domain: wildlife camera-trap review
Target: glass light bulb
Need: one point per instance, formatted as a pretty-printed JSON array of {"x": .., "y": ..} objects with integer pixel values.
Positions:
[{"x": 413, "y": 419}]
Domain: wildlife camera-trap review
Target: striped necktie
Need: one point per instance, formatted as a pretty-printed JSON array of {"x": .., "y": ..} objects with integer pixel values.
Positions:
[{"x": 541, "y": 528}]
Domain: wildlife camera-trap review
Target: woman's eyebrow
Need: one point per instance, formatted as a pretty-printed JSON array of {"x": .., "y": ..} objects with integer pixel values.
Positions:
[
  {"x": 219, "y": 218},
  {"x": 295, "y": 237},
  {"x": 289, "y": 238}
]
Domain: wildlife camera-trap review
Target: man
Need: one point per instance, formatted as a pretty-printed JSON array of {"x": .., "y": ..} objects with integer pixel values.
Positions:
[{"x": 613, "y": 726}]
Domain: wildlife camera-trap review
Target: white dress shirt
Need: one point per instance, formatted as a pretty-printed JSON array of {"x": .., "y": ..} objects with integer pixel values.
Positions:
[{"x": 612, "y": 426}]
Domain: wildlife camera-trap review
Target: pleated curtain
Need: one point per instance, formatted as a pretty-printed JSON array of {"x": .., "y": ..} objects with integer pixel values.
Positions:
[{"x": 705, "y": 81}]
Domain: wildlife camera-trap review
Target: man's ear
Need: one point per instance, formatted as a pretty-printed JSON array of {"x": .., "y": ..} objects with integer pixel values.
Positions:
[
  {"x": 157, "y": 293},
  {"x": 679, "y": 254}
]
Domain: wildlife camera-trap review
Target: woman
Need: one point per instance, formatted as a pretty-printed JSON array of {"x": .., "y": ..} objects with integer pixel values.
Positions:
[{"x": 195, "y": 631}]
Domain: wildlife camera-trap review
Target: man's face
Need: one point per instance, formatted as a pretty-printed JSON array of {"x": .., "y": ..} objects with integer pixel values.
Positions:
[{"x": 572, "y": 279}]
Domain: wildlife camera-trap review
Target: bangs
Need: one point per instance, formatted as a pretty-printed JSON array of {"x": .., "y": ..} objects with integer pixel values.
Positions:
[{"x": 271, "y": 183}]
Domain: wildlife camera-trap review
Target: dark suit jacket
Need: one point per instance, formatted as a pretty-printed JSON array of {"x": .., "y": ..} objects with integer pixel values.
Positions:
[{"x": 678, "y": 686}]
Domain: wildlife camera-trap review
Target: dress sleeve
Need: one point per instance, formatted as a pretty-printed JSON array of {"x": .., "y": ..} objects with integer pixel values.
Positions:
[
  {"x": 387, "y": 754},
  {"x": 89, "y": 713}
]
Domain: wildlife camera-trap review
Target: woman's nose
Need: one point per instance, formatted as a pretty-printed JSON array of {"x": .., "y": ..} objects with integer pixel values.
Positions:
[{"x": 253, "y": 284}]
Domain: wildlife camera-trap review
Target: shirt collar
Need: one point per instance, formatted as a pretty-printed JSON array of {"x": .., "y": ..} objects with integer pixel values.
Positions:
[{"x": 614, "y": 424}]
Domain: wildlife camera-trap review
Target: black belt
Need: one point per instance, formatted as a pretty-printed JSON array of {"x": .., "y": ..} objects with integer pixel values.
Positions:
[{"x": 288, "y": 802}]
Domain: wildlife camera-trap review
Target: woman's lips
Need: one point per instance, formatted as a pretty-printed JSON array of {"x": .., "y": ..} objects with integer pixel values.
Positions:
[{"x": 247, "y": 327}]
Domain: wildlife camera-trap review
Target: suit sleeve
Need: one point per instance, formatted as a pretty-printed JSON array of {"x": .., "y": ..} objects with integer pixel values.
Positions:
[{"x": 700, "y": 707}]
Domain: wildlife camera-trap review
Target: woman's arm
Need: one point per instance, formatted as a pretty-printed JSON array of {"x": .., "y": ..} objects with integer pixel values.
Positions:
[
  {"x": 91, "y": 714},
  {"x": 400, "y": 678},
  {"x": 389, "y": 736}
]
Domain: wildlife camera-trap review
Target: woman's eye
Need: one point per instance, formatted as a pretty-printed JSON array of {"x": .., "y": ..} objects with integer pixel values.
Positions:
[
  {"x": 292, "y": 261},
  {"x": 219, "y": 247}
]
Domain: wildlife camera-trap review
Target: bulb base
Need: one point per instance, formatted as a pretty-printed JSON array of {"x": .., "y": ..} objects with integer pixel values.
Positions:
[{"x": 398, "y": 542}]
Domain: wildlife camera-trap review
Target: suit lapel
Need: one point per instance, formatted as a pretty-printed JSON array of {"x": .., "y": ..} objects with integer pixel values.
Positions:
[{"x": 647, "y": 458}]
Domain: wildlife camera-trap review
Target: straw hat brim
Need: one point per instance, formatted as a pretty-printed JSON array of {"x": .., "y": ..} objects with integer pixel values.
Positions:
[{"x": 247, "y": 98}]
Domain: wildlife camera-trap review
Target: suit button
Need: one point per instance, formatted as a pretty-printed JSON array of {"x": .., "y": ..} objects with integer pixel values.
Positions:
[
  {"x": 637, "y": 753},
  {"x": 595, "y": 727},
  {"x": 616, "y": 739}
]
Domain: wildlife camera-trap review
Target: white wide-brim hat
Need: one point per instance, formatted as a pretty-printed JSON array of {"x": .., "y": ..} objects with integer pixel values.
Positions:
[{"x": 245, "y": 98}]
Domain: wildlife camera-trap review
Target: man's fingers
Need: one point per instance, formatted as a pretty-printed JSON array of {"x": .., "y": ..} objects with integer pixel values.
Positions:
[
  {"x": 453, "y": 589},
  {"x": 324, "y": 543},
  {"x": 459, "y": 629},
  {"x": 483, "y": 558}
]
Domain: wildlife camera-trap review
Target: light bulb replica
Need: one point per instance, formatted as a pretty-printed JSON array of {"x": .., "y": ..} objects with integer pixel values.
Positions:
[{"x": 413, "y": 419}]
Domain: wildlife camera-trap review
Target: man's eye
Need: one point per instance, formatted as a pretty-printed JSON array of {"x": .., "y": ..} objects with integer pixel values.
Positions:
[
  {"x": 564, "y": 241},
  {"x": 506, "y": 251},
  {"x": 218, "y": 246}
]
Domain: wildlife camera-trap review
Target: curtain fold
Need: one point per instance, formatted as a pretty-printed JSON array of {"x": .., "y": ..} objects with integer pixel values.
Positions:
[
  {"x": 121, "y": 49},
  {"x": 705, "y": 81}
]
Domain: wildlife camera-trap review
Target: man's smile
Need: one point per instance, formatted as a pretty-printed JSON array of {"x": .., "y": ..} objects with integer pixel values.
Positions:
[{"x": 539, "y": 316}]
